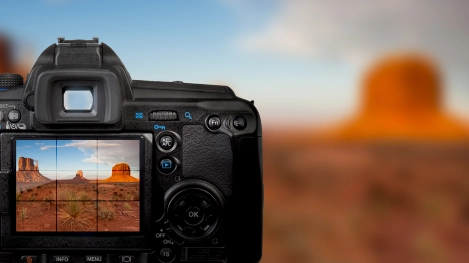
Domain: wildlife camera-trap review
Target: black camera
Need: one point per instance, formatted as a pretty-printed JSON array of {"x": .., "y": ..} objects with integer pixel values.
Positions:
[{"x": 99, "y": 168}]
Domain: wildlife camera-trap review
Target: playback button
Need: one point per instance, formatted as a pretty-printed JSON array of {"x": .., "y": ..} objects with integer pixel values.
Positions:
[{"x": 167, "y": 165}]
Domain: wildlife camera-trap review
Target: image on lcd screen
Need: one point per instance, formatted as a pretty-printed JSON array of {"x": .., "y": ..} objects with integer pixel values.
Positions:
[{"x": 77, "y": 185}]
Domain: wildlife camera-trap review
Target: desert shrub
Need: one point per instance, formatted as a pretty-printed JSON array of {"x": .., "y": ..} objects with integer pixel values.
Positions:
[
  {"x": 32, "y": 197},
  {"x": 39, "y": 187},
  {"x": 84, "y": 197},
  {"x": 74, "y": 216},
  {"x": 30, "y": 190},
  {"x": 127, "y": 206},
  {"x": 23, "y": 213},
  {"x": 129, "y": 197},
  {"x": 68, "y": 195},
  {"x": 136, "y": 195},
  {"x": 18, "y": 196},
  {"x": 106, "y": 211}
]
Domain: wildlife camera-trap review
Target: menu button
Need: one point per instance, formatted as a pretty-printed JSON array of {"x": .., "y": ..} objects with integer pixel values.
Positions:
[{"x": 94, "y": 258}]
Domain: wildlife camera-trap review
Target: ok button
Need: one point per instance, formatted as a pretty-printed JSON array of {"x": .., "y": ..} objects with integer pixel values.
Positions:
[{"x": 193, "y": 216}]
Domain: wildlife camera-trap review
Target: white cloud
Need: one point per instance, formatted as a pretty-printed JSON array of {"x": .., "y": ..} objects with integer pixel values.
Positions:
[
  {"x": 357, "y": 31},
  {"x": 113, "y": 152},
  {"x": 108, "y": 152}
]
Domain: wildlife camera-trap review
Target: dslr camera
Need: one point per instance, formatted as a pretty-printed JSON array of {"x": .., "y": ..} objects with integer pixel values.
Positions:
[{"x": 99, "y": 168}]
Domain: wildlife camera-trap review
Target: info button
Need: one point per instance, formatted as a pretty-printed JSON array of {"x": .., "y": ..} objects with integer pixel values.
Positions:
[{"x": 59, "y": 259}]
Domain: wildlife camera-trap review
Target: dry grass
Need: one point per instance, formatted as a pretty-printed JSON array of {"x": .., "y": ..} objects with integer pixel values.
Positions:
[
  {"x": 75, "y": 216},
  {"x": 106, "y": 211}
]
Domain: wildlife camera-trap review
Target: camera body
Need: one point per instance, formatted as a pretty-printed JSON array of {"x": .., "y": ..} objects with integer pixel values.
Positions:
[{"x": 97, "y": 167}]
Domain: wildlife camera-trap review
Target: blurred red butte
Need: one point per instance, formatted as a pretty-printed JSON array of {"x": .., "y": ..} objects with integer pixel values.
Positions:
[
  {"x": 402, "y": 100},
  {"x": 5, "y": 56},
  {"x": 6, "y": 59}
]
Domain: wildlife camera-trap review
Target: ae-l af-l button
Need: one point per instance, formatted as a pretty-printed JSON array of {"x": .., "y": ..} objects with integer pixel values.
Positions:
[{"x": 239, "y": 123}]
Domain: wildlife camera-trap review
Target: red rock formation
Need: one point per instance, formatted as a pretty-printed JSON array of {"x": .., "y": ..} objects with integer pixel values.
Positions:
[
  {"x": 28, "y": 172},
  {"x": 79, "y": 176},
  {"x": 121, "y": 169},
  {"x": 27, "y": 164},
  {"x": 121, "y": 173},
  {"x": 402, "y": 99}
]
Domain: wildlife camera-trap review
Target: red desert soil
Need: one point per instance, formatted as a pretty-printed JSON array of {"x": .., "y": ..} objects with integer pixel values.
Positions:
[{"x": 82, "y": 204}]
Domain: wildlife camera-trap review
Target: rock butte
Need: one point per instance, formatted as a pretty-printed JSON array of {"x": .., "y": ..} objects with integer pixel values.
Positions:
[
  {"x": 79, "y": 176},
  {"x": 28, "y": 172},
  {"x": 402, "y": 99},
  {"x": 121, "y": 173}
]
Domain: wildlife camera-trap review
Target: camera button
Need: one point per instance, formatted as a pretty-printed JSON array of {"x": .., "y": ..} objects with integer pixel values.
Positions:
[
  {"x": 166, "y": 142},
  {"x": 194, "y": 216},
  {"x": 166, "y": 255},
  {"x": 93, "y": 258},
  {"x": 214, "y": 123},
  {"x": 14, "y": 116},
  {"x": 59, "y": 259},
  {"x": 239, "y": 123},
  {"x": 126, "y": 259},
  {"x": 29, "y": 259},
  {"x": 167, "y": 165}
]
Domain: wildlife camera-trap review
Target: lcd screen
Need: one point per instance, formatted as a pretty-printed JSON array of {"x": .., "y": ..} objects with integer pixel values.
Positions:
[{"x": 78, "y": 185}]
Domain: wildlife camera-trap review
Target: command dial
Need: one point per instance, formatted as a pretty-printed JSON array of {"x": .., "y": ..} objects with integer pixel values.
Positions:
[{"x": 9, "y": 80}]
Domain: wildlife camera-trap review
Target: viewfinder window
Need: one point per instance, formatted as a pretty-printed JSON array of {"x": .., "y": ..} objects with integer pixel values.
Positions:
[{"x": 78, "y": 98}]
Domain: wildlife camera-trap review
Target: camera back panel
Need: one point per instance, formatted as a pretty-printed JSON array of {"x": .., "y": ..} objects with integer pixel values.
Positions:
[{"x": 125, "y": 170}]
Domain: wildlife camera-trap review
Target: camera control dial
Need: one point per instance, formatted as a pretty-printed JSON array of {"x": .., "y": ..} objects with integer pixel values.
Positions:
[
  {"x": 9, "y": 80},
  {"x": 195, "y": 210}
]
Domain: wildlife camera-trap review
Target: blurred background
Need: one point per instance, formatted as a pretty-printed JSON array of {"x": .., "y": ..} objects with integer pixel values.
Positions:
[{"x": 364, "y": 105}]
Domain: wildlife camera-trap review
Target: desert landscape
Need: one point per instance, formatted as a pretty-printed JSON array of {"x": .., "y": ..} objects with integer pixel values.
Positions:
[{"x": 76, "y": 204}]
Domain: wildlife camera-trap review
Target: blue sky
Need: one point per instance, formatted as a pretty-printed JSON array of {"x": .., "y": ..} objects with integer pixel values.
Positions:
[
  {"x": 300, "y": 61},
  {"x": 61, "y": 159}
]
